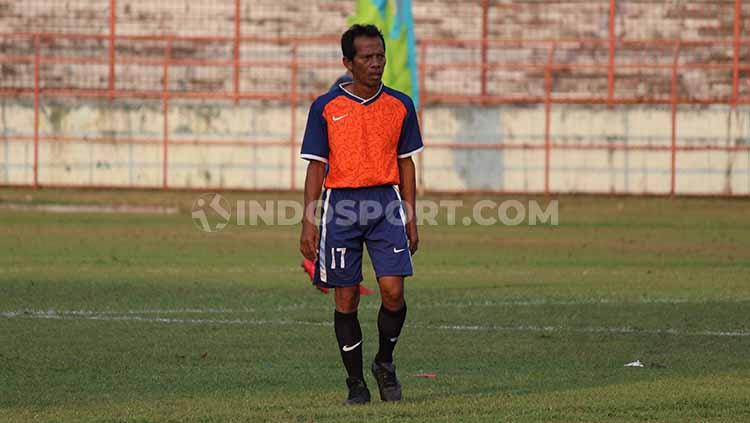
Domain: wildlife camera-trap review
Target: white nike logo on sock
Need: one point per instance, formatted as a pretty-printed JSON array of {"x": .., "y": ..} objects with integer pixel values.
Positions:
[
  {"x": 347, "y": 348},
  {"x": 394, "y": 339}
]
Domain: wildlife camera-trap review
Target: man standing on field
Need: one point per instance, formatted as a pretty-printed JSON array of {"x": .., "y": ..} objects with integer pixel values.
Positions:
[{"x": 366, "y": 133}]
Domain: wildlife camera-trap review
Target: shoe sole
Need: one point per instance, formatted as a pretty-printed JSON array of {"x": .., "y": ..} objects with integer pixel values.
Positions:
[
  {"x": 347, "y": 402},
  {"x": 350, "y": 402}
]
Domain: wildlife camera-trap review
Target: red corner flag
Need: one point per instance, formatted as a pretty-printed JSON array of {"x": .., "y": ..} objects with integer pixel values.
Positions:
[{"x": 309, "y": 268}]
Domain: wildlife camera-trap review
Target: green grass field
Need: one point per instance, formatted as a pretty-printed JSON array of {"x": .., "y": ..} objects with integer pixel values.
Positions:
[{"x": 144, "y": 318}]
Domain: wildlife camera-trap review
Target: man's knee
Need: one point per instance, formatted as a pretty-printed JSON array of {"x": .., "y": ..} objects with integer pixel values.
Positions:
[
  {"x": 392, "y": 293},
  {"x": 347, "y": 299},
  {"x": 393, "y": 302}
]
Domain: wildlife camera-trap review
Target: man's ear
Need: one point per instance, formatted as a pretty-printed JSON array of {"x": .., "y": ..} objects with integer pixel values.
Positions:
[{"x": 347, "y": 63}]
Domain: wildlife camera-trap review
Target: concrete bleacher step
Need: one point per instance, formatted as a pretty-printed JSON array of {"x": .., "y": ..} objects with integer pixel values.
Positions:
[{"x": 520, "y": 19}]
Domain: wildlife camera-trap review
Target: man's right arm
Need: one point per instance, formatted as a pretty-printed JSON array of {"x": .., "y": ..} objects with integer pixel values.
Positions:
[{"x": 308, "y": 243}]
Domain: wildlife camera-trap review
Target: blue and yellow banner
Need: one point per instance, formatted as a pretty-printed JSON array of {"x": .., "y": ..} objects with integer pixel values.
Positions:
[{"x": 394, "y": 18}]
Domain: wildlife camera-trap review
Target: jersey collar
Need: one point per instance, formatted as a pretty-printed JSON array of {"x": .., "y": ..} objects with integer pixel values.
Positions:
[{"x": 358, "y": 99}]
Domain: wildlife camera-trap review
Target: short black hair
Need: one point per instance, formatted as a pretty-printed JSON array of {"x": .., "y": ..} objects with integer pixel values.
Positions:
[{"x": 358, "y": 30}]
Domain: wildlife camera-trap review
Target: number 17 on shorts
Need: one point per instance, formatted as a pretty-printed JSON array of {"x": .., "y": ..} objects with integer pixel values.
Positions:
[{"x": 340, "y": 252}]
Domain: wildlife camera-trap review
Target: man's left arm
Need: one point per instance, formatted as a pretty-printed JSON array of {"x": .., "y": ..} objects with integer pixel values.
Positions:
[
  {"x": 408, "y": 188},
  {"x": 409, "y": 144}
]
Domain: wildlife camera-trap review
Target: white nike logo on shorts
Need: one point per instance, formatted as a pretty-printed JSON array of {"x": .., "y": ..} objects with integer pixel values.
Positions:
[
  {"x": 398, "y": 251},
  {"x": 347, "y": 348}
]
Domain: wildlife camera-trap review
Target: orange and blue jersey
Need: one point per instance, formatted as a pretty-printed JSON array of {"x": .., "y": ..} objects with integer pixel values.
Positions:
[{"x": 360, "y": 139}]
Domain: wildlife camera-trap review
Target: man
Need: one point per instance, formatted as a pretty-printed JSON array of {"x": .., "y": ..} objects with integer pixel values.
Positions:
[
  {"x": 308, "y": 265},
  {"x": 366, "y": 133}
]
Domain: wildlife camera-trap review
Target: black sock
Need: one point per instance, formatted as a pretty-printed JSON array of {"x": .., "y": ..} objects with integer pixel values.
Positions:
[
  {"x": 349, "y": 336},
  {"x": 389, "y": 328}
]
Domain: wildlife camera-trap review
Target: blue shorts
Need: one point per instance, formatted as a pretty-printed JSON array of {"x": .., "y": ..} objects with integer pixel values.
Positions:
[{"x": 351, "y": 217}]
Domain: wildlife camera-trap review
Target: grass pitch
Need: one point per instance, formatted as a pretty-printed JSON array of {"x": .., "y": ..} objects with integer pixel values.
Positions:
[{"x": 144, "y": 318}]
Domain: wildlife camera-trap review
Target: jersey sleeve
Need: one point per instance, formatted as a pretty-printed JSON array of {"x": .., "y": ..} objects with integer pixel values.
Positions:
[
  {"x": 410, "y": 142},
  {"x": 315, "y": 141}
]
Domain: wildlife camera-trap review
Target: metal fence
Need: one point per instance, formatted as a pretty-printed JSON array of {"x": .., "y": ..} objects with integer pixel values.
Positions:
[{"x": 608, "y": 54}]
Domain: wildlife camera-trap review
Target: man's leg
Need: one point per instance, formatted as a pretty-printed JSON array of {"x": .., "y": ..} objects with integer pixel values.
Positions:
[
  {"x": 348, "y": 331},
  {"x": 391, "y": 319},
  {"x": 391, "y": 316},
  {"x": 349, "y": 337}
]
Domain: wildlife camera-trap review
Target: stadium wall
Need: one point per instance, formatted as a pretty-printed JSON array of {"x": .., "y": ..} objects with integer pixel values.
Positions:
[
  {"x": 626, "y": 149},
  {"x": 623, "y": 96}
]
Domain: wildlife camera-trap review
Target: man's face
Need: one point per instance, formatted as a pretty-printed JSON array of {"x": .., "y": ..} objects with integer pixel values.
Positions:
[{"x": 369, "y": 61}]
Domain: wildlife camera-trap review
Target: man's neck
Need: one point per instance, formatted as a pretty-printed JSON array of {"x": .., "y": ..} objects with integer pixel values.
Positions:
[{"x": 362, "y": 91}]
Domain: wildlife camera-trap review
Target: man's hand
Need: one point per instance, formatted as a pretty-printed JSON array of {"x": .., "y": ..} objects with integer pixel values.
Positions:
[
  {"x": 411, "y": 233},
  {"x": 309, "y": 241}
]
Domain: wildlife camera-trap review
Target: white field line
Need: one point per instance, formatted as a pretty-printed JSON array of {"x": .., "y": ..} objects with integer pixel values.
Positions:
[
  {"x": 624, "y": 330},
  {"x": 183, "y": 321},
  {"x": 93, "y": 315},
  {"x": 533, "y": 302},
  {"x": 326, "y": 306},
  {"x": 488, "y": 303},
  {"x": 530, "y": 302},
  {"x": 89, "y": 208}
]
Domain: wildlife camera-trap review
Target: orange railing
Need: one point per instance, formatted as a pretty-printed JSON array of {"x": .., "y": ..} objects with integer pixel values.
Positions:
[{"x": 547, "y": 70}]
